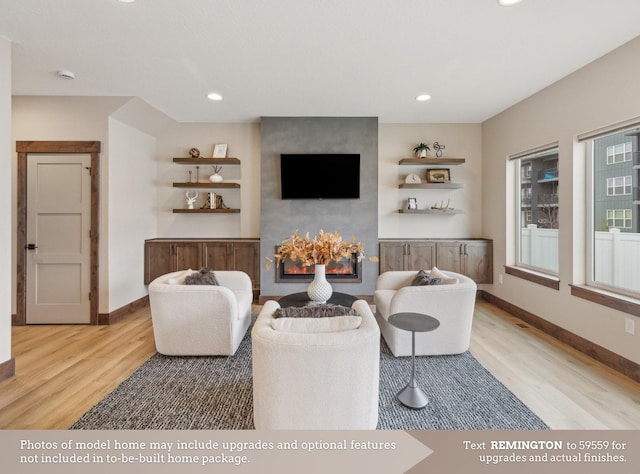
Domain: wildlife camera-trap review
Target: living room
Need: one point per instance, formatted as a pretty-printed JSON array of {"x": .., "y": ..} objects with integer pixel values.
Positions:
[{"x": 137, "y": 198}]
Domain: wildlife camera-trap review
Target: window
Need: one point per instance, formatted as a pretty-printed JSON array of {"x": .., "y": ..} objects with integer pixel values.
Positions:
[
  {"x": 619, "y": 218},
  {"x": 619, "y": 186},
  {"x": 619, "y": 153},
  {"x": 538, "y": 211},
  {"x": 614, "y": 232}
]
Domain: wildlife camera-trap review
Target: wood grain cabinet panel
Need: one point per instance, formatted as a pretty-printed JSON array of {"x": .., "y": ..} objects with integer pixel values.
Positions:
[
  {"x": 163, "y": 256},
  {"x": 471, "y": 257},
  {"x": 407, "y": 255}
]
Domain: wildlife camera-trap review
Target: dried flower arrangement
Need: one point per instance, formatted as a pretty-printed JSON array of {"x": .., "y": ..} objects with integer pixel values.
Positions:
[{"x": 321, "y": 249}]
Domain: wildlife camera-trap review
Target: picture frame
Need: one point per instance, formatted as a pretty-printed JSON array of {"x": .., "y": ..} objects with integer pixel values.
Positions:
[
  {"x": 220, "y": 150},
  {"x": 412, "y": 203},
  {"x": 440, "y": 175}
]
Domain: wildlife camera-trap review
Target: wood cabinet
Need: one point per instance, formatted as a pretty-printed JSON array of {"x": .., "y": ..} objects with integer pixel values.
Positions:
[
  {"x": 473, "y": 258},
  {"x": 163, "y": 256},
  {"x": 236, "y": 255},
  {"x": 470, "y": 257},
  {"x": 407, "y": 255}
]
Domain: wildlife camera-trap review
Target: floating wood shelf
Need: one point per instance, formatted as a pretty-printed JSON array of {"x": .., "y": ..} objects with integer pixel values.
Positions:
[
  {"x": 431, "y": 211},
  {"x": 431, "y": 186},
  {"x": 206, "y": 185},
  {"x": 207, "y": 161},
  {"x": 432, "y": 161},
  {"x": 206, "y": 211}
]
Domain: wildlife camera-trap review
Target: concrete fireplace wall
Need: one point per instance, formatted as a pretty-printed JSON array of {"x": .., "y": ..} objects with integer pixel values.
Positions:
[{"x": 280, "y": 218}]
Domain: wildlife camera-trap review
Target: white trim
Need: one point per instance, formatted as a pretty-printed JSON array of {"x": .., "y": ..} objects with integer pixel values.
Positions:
[{"x": 609, "y": 129}]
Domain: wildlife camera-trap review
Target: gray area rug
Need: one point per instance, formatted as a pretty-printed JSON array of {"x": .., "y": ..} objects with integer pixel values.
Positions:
[{"x": 215, "y": 393}]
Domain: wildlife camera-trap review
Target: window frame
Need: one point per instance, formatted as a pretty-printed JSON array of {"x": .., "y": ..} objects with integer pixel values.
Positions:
[
  {"x": 526, "y": 179},
  {"x": 590, "y": 216},
  {"x": 624, "y": 219},
  {"x": 624, "y": 185}
]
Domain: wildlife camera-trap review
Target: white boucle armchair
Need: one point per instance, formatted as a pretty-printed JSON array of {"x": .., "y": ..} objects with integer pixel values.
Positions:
[
  {"x": 315, "y": 373},
  {"x": 194, "y": 320},
  {"x": 452, "y": 304}
]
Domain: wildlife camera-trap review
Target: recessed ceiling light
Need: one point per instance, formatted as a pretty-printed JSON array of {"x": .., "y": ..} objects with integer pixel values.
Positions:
[
  {"x": 423, "y": 97},
  {"x": 64, "y": 74},
  {"x": 508, "y": 3},
  {"x": 214, "y": 96},
  {"x": 127, "y": 1}
]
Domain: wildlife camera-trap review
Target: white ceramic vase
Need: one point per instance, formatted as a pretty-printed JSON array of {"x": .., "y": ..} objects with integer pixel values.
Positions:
[
  {"x": 215, "y": 178},
  {"x": 319, "y": 290}
]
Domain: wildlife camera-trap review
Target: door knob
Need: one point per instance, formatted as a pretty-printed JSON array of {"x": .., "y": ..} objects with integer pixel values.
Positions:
[{"x": 31, "y": 246}]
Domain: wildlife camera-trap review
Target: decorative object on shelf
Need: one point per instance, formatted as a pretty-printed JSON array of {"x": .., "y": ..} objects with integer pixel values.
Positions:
[
  {"x": 413, "y": 179},
  {"x": 220, "y": 150},
  {"x": 412, "y": 203},
  {"x": 214, "y": 201},
  {"x": 438, "y": 148},
  {"x": 216, "y": 177},
  {"x": 421, "y": 150},
  {"x": 438, "y": 175},
  {"x": 191, "y": 199},
  {"x": 197, "y": 174},
  {"x": 190, "y": 176},
  {"x": 322, "y": 249},
  {"x": 194, "y": 153},
  {"x": 442, "y": 206}
]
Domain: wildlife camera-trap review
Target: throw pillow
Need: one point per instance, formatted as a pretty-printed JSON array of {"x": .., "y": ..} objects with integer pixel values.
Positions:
[
  {"x": 446, "y": 279},
  {"x": 203, "y": 277},
  {"x": 423, "y": 278},
  {"x": 315, "y": 311},
  {"x": 179, "y": 278},
  {"x": 316, "y": 325}
]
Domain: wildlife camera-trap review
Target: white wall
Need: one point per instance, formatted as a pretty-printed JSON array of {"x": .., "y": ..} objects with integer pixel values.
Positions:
[
  {"x": 88, "y": 118},
  {"x": 132, "y": 203},
  {"x": 243, "y": 140},
  {"x": 396, "y": 141},
  {"x": 602, "y": 93},
  {"x": 68, "y": 118},
  {"x": 5, "y": 199}
]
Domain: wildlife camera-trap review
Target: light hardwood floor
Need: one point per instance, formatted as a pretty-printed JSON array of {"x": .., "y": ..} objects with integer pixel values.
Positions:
[{"x": 62, "y": 371}]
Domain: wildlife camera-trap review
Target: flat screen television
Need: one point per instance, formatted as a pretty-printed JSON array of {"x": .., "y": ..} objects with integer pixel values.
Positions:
[{"x": 320, "y": 176}]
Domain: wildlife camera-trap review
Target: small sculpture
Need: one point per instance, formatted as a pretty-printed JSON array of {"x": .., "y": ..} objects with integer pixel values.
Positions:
[
  {"x": 194, "y": 153},
  {"x": 438, "y": 148},
  {"x": 442, "y": 206},
  {"x": 191, "y": 199}
]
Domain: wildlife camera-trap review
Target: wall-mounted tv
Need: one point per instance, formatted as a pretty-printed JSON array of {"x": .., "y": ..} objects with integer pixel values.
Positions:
[{"x": 320, "y": 176}]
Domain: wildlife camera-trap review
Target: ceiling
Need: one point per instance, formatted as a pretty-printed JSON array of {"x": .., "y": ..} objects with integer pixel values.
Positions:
[{"x": 310, "y": 57}]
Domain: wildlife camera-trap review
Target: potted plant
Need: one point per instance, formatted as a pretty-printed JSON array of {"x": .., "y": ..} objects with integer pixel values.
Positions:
[{"x": 421, "y": 150}]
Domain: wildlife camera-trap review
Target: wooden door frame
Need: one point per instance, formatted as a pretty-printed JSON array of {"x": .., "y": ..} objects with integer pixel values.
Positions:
[{"x": 24, "y": 149}]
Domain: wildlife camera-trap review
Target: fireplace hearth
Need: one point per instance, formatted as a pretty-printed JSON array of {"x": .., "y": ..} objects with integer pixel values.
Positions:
[{"x": 347, "y": 270}]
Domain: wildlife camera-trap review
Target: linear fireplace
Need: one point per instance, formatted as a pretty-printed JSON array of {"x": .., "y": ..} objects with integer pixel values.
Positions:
[{"x": 347, "y": 270}]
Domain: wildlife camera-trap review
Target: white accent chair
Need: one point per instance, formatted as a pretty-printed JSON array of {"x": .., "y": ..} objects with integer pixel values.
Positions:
[
  {"x": 452, "y": 304},
  {"x": 194, "y": 320},
  {"x": 315, "y": 373}
]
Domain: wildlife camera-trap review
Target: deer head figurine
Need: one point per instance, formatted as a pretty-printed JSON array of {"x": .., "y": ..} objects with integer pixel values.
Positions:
[{"x": 191, "y": 199}]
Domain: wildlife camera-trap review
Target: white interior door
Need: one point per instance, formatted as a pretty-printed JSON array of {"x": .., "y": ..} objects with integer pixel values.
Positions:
[{"x": 58, "y": 238}]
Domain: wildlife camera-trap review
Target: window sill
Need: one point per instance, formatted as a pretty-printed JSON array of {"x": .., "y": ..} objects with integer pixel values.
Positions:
[
  {"x": 607, "y": 298},
  {"x": 534, "y": 277}
]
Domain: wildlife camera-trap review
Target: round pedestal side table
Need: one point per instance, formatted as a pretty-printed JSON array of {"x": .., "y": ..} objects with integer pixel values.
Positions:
[{"x": 411, "y": 395}]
